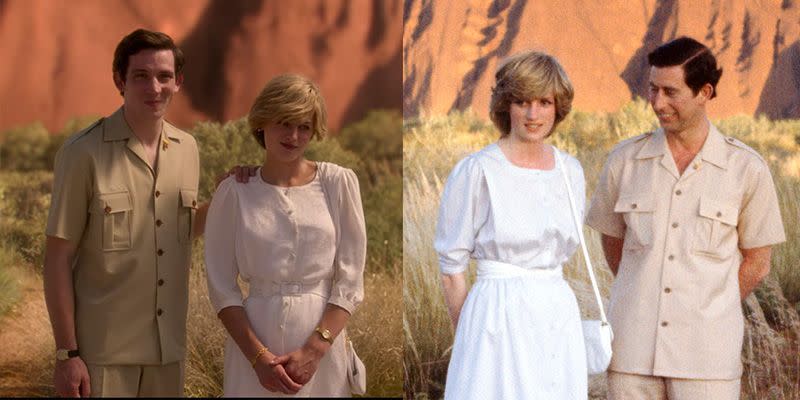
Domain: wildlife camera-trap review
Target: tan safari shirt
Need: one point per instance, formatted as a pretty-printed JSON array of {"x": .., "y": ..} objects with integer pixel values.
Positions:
[
  {"x": 675, "y": 305},
  {"x": 133, "y": 229}
]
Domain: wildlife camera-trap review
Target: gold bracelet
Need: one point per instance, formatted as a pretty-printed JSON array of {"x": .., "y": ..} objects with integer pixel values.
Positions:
[{"x": 260, "y": 353}]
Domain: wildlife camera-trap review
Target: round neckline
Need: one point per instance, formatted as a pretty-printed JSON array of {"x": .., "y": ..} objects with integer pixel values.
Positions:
[
  {"x": 286, "y": 188},
  {"x": 529, "y": 170}
]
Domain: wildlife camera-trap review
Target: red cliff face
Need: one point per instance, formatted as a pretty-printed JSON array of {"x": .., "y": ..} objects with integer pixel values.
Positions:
[
  {"x": 451, "y": 49},
  {"x": 57, "y": 55}
]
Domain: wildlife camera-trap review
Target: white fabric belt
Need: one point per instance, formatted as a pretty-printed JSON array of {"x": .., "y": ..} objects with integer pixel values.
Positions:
[
  {"x": 294, "y": 288},
  {"x": 488, "y": 269}
]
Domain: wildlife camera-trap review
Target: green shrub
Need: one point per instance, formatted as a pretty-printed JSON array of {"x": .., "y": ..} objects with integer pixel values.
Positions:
[
  {"x": 24, "y": 204},
  {"x": 24, "y": 148}
]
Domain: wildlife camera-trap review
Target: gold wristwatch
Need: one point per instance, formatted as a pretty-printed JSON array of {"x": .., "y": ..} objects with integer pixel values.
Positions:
[
  {"x": 325, "y": 334},
  {"x": 64, "y": 354}
]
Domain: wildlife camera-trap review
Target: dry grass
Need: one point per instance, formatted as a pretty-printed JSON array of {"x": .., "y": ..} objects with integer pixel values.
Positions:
[
  {"x": 27, "y": 360},
  {"x": 433, "y": 145}
]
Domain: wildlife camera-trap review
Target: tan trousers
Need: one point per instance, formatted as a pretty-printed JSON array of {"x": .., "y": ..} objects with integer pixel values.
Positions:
[
  {"x": 623, "y": 386},
  {"x": 136, "y": 380}
]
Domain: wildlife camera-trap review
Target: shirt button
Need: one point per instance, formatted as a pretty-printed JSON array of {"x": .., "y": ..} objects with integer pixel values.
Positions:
[
  {"x": 719, "y": 214},
  {"x": 289, "y": 212},
  {"x": 194, "y": 203},
  {"x": 674, "y": 224},
  {"x": 667, "y": 290},
  {"x": 678, "y": 192},
  {"x": 664, "y": 323},
  {"x": 671, "y": 257},
  {"x": 107, "y": 209},
  {"x": 159, "y": 312},
  {"x": 158, "y": 222},
  {"x": 633, "y": 206},
  {"x": 160, "y": 252},
  {"x": 160, "y": 282}
]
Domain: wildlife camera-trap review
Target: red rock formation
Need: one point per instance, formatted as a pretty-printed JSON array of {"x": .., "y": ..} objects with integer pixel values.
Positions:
[
  {"x": 451, "y": 49},
  {"x": 57, "y": 55}
]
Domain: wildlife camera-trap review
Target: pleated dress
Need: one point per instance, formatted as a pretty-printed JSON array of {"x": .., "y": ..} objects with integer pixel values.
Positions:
[{"x": 519, "y": 332}]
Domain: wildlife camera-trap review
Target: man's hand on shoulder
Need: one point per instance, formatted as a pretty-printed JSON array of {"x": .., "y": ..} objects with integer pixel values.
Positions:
[
  {"x": 71, "y": 378},
  {"x": 242, "y": 172}
]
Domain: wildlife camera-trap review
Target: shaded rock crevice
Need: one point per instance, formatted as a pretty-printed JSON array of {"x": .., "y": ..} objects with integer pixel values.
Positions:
[
  {"x": 635, "y": 74},
  {"x": 205, "y": 84},
  {"x": 501, "y": 10}
]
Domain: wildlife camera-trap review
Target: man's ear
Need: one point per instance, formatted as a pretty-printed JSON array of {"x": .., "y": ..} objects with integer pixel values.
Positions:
[
  {"x": 119, "y": 83},
  {"x": 707, "y": 91},
  {"x": 178, "y": 82}
]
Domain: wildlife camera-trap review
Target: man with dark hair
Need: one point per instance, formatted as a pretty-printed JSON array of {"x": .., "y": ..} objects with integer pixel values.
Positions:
[
  {"x": 687, "y": 217},
  {"x": 122, "y": 218}
]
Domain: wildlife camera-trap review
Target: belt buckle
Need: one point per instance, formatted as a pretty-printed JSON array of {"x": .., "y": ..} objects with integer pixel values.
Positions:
[{"x": 291, "y": 288}]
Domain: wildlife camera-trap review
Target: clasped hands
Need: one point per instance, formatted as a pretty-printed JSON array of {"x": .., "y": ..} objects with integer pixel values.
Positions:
[{"x": 289, "y": 372}]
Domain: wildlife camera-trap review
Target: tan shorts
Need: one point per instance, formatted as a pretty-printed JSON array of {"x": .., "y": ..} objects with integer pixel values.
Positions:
[
  {"x": 136, "y": 380},
  {"x": 635, "y": 387}
]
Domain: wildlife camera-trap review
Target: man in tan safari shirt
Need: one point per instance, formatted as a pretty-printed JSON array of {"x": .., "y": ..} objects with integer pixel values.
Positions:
[
  {"x": 123, "y": 214},
  {"x": 687, "y": 218}
]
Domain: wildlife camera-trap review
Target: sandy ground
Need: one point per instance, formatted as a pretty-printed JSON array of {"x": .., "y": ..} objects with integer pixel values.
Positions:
[{"x": 26, "y": 341}]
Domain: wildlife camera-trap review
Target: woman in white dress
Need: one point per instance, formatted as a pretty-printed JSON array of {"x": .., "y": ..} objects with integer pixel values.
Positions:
[
  {"x": 296, "y": 235},
  {"x": 518, "y": 331}
]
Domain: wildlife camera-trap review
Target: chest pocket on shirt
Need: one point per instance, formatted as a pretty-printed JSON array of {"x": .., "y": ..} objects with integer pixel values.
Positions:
[
  {"x": 186, "y": 211},
  {"x": 115, "y": 209},
  {"x": 637, "y": 210},
  {"x": 715, "y": 224}
]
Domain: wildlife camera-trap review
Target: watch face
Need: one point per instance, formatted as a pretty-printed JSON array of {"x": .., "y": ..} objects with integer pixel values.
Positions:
[
  {"x": 61, "y": 354},
  {"x": 326, "y": 334}
]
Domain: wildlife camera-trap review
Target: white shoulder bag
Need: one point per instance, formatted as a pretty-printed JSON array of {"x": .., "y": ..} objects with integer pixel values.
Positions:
[{"x": 597, "y": 335}]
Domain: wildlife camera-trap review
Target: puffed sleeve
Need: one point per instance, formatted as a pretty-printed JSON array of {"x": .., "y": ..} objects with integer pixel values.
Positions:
[
  {"x": 72, "y": 192},
  {"x": 601, "y": 215},
  {"x": 459, "y": 211},
  {"x": 220, "y": 251},
  {"x": 760, "y": 221},
  {"x": 348, "y": 265}
]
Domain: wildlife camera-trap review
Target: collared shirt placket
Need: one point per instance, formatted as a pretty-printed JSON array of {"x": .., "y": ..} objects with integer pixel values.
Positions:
[{"x": 673, "y": 283}]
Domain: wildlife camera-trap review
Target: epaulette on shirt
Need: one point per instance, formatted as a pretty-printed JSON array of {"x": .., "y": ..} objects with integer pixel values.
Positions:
[
  {"x": 83, "y": 132},
  {"x": 739, "y": 144},
  {"x": 630, "y": 140}
]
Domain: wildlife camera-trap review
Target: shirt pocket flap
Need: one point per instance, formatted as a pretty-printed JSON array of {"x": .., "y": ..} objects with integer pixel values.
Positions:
[
  {"x": 716, "y": 210},
  {"x": 635, "y": 203},
  {"x": 109, "y": 203},
  {"x": 189, "y": 198}
]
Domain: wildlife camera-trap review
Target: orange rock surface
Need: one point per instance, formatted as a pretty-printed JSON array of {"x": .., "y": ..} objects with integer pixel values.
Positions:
[
  {"x": 451, "y": 49},
  {"x": 56, "y": 55}
]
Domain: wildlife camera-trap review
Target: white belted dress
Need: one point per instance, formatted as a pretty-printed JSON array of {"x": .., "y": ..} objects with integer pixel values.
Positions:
[
  {"x": 299, "y": 248},
  {"x": 519, "y": 332}
]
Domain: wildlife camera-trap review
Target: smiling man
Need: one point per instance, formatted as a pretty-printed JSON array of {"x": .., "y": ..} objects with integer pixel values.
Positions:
[
  {"x": 122, "y": 218},
  {"x": 687, "y": 217}
]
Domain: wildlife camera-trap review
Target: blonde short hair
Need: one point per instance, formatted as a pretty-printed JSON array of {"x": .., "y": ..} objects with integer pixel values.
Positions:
[
  {"x": 288, "y": 98},
  {"x": 526, "y": 76}
]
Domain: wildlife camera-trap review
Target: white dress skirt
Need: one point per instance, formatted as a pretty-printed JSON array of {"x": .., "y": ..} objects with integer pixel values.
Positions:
[{"x": 519, "y": 332}]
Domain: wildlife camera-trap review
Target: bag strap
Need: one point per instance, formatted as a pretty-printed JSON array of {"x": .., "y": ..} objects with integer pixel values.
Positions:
[{"x": 579, "y": 228}]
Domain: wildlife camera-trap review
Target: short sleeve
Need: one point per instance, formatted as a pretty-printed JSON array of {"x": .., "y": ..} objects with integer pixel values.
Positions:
[
  {"x": 220, "y": 250},
  {"x": 348, "y": 285},
  {"x": 601, "y": 215},
  {"x": 72, "y": 193},
  {"x": 760, "y": 221},
  {"x": 457, "y": 226}
]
